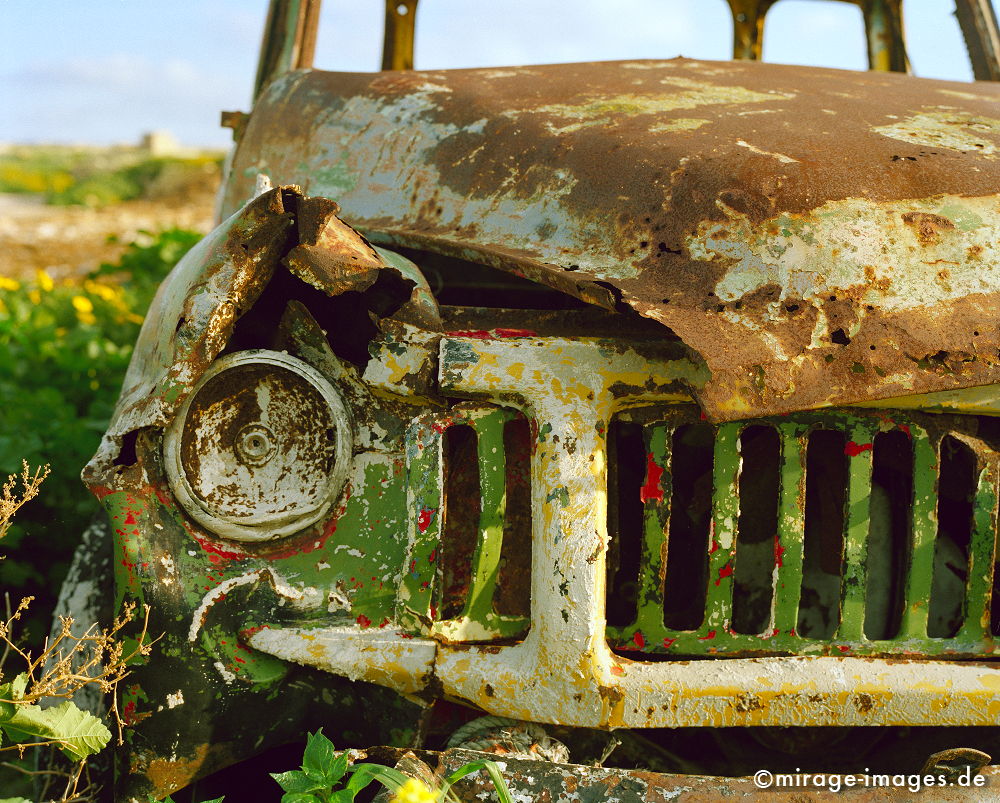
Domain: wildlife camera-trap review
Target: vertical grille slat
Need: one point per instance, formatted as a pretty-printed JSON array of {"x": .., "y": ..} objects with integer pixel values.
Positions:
[
  {"x": 493, "y": 505},
  {"x": 722, "y": 540},
  {"x": 982, "y": 557},
  {"x": 920, "y": 572},
  {"x": 852, "y": 609},
  {"x": 655, "y": 496},
  {"x": 790, "y": 541}
]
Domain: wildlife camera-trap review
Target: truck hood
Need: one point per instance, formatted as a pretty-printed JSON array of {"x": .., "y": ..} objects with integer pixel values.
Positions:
[{"x": 816, "y": 237}]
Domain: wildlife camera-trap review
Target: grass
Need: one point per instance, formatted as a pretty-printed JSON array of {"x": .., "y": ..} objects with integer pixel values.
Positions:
[{"x": 97, "y": 178}]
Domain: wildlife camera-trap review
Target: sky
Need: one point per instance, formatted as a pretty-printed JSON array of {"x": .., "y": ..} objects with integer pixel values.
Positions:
[{"x": 106, "y": 71}]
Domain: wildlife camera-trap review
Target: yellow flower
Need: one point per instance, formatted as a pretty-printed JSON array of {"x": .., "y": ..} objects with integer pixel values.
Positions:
[
  {"x": 84, "y": 310},
  {"x": 44, "y": 281},
  {"x": 414, "y": 791},
  {"x": 102, "y": 291},
  {"x": 83, "y": 304},
  {"x": 8, "y": 284},
  {"x": 35, "y": 297}
]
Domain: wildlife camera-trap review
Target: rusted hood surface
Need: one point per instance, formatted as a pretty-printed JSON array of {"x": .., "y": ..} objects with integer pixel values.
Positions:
[{"x": 818, "y": 237}]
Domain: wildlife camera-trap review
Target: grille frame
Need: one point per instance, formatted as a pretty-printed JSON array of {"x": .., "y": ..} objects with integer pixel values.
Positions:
[{"x": 647, "y": 636}]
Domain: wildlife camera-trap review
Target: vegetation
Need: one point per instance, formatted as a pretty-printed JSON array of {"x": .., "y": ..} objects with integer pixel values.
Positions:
[
  {"x": 65, "y": 665},
  {"x": 64, "y": 349},
  {"x": 99, "y": 178},
  {"x": 324, "y": 770}
]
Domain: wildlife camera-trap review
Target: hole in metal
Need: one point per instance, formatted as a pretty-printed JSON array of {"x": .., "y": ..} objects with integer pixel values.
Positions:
[
  {"x": 889, "y": 533},
  {"x": 760, "y": 461},
  {"x": 461, "y": 509},
  {"x": 512, "y": 596},
  {"x": 626, "y": 471},
  {"x": 826, "y": 494},
  {"x": 956, "y": 494},
  {"x": 691, "y": 465}
]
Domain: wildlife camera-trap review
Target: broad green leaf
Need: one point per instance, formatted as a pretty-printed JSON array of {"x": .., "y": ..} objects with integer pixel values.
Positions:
[
  {"x": 300, "y": 797},
  {"x": 297, "y": 781},
  {"x": 319, "y": 760},
  {"x": 77, "y": 733}
]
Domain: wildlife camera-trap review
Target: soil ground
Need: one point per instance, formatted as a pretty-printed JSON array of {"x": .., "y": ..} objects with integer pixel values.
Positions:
[{"x": 71, "y": 241}]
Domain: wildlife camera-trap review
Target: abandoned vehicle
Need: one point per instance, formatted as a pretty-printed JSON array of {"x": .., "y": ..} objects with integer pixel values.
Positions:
[{"x": 655, "y": 397}]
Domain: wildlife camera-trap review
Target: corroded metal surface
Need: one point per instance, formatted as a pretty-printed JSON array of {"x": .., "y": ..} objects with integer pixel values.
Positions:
[
  {"x": 807, "y": 265},
  {"x": 541, "y": 781}
]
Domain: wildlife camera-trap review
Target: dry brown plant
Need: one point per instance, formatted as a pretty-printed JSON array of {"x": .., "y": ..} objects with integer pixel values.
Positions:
[
  {"x": 12, "y": 500},
  {"x": 66, "y": 663}
]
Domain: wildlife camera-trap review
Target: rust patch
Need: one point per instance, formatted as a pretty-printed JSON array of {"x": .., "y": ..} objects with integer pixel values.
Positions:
[
  {"x": 170, "y": 775},
  {"x": 927, "y": 226}
]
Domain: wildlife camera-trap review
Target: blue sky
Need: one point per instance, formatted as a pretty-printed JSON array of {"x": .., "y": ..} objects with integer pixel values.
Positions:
[{"x": 105, "y": 71}]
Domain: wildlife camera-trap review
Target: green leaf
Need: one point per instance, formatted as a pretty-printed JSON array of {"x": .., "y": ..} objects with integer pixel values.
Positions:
[
  {"x": 10, "y": 692},
  {"x": 14, "y": 800},
  {"x": 320, "y": 761},
  {"x": 296, "y": 781},
  {"x": 77, "y": 733},
  {"x": 300, "y": 797},
  {"x": 389, "y": 777},
  {"x": 492, "y": 769}
]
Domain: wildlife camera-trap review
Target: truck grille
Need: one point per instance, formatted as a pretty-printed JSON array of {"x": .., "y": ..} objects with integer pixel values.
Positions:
[{"x": 829, "y": 533}]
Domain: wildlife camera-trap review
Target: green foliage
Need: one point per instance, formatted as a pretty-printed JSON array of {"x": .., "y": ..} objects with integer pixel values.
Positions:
[
  {"x": 77, "y": 733},
  {"x": 323, "y": 769},
  {"x": 63, "y": 354},
  {"x": 99, "y": 178}
]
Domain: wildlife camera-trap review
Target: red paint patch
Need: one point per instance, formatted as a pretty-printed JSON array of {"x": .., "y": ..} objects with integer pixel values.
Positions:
[
  {"x": 249, "y": 631},
  {"x": 906, "y": 429},
  {"x": 430, "y": 558},
  {"x": 384, "y": 622},
  {"x": 639, "y": 639},
  {"x": 514, "y": 333},
  {"x": 724, "y": 572},
  {"x": 652, "y": 489},
  {"x": 779, "y": 551},
  {"x": 364, "y": 621},
  {"x": 709, "y": 635},
  {"x": 843, "y": 648},
  {"x": 617, "y": 670},
  {"x": 854, "y": 449},
  {"x": 792, "y": 632},
  {"x": 424, "y": 518},
  {"x": 669, "y": 642},
  {"x": 478, "y": 334}
]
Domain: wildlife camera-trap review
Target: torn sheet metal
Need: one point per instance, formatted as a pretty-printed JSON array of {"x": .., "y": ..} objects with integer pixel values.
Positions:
[
  {"x": 846, "y": 259},
  {"x": 220, "y": 279}
]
